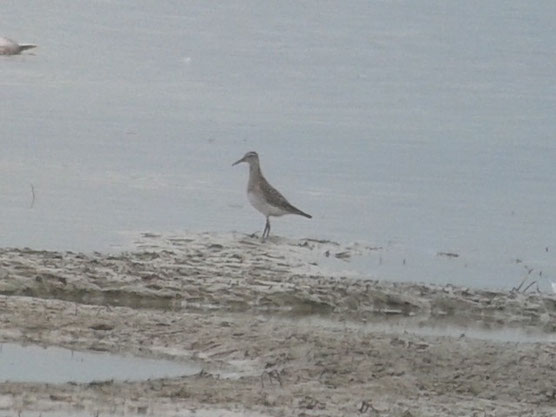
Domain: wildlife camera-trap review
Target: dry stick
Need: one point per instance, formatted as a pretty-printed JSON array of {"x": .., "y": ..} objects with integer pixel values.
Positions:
[
  {"x": 520, "y": 285},
  {"x": 33, "y": 194},
  {"x": 522, "y": 282},
  {"x": 364, "y": 406},
  {"x": 528, "y": 286},
  {"x": 274, "y": 374}
]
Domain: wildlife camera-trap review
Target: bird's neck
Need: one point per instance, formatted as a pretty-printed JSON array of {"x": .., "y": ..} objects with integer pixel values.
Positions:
[{"x": 255, "y": 174}]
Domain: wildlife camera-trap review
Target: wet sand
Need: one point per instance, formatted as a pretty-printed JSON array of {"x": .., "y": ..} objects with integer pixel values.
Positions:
[{"x": 276, "y": 333}]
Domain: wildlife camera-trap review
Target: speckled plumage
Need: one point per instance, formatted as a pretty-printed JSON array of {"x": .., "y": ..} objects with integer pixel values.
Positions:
[{"x": 263, "y": 196}]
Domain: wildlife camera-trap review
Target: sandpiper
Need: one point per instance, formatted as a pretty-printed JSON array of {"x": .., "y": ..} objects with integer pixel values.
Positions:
[
  {"x": 9, "y": 47},
  {"x": 263, "y": 196}
]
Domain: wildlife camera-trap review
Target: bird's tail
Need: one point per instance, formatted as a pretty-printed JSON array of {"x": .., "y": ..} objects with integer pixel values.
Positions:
[
  {"x": 302, "y": 213},
  {"x": 25, "y": 46}
]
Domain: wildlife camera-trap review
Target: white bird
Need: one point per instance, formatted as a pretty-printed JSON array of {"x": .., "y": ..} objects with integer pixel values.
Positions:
[{"x": 9, "y": 47}]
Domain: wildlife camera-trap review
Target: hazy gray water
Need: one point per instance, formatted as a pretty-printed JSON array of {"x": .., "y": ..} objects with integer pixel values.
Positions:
[
  {"x": 56, "y": 365},
  {"x": 418, "y": 126},
  {"x": 443, "y": 327}
]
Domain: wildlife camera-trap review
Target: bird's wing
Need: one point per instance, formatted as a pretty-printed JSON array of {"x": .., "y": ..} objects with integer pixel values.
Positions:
[
  {"x": 276, "y": 198},
  {"x": 272, "y": 195}
]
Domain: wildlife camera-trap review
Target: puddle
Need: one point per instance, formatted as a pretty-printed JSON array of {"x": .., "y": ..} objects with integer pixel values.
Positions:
[
  {"x": 501, "y": 334},
  {"x": 56, "y": 365}
]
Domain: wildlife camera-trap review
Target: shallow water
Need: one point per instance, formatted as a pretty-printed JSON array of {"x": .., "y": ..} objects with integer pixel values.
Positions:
[
  {"x": 437, "y": 327},
  {"x": 417, "y": 126},
  {"x": 54, "y": 365}
]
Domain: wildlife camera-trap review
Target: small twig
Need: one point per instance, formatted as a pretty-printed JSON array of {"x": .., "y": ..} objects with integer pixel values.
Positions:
[
  {"x": 33, "y": 195},
  {"x": 274, "y": 374},
  {"x": 516, "y": 289},
  {"x": 528, "y": 269},
  {"x": 366, "y": 406},
  {"x": 528, "y": 286}
]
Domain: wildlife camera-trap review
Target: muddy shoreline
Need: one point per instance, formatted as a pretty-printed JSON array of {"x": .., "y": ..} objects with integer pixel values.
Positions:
[{"x": 275, "y": 334}]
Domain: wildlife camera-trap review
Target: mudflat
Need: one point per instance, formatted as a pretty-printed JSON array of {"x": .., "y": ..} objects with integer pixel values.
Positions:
[{"x": 274, "y": 333}]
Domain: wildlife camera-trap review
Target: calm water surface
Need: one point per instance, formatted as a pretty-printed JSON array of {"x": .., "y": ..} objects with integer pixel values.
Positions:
[
  {"x": 418, "y": 126},
  {"x": 55, "y": 365}
]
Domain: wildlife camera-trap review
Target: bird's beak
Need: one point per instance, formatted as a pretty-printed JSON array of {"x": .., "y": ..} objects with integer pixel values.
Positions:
[{"x": 238, "y": 162}]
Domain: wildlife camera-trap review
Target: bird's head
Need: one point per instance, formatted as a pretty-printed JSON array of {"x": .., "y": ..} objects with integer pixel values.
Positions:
[{"x": 249, "y": 157}]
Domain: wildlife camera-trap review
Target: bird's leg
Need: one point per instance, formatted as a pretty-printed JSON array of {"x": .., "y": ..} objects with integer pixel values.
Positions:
[
  {"x": 263, "y": 236},
  {"x": 266, "y": 230},
  {"x": 264, "y": 233}
]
